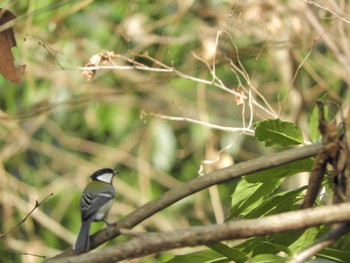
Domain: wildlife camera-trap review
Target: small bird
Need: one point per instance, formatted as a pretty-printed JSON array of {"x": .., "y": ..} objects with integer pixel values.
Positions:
[{"x": 95, "y": 203}]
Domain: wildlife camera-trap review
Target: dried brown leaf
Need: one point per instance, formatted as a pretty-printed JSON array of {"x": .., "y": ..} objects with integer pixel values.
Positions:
[
  {"x": 8, "y": 41},
  {"x": 95, "y": 61}
]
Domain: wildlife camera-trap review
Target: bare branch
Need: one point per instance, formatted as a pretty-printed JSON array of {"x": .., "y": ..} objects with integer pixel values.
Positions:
[
  {"x": 328, "y": 10},
  {"x": 26, "y": 254},
  {"x": 37, "y": 204},
  {"x": 329, "y": 42},
  {"x": 202, "y": 235},
  {"x": 205, "y": 124},
  {"x": 163, "y": 68}
]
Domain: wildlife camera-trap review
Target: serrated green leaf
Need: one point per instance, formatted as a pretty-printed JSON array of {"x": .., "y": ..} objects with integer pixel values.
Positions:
[
  {"x": 230, "y": 253},
  {"x": 278, "y": 133},
  {"x": 281, "y": 171}
]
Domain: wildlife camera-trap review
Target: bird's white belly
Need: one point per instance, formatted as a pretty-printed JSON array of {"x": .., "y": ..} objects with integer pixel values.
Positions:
[{"x": 103, "y": 211}]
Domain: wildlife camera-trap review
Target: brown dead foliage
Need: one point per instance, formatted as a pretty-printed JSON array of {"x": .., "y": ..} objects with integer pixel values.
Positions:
[
  {"x": 95, "y": 61},
  {"x": 7, "y": 41}
]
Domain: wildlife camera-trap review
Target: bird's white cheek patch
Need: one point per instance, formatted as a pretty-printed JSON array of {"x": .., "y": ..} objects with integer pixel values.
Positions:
[{"x": 107, "y": 178}]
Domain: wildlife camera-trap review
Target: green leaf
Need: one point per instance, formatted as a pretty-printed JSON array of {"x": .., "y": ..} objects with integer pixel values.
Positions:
[
  {"x": 268, "y": 258},
  {"x": 313, "y": 126},
  {"x": 281, "y": 171},
  {"x": 248, "y": 196},
  {"x": 231, "y": 253},
  {"x": 278, "y": 133},
  {"x": 207, "y": 256},
  {"x": 250, "y": 244},
  {"x": 272, "y": 248},
  {"x": 321, "y": 260},
  {"x": 278, "y": 203},
  {"x": 273, "y": 244},
  {"x": 335, "y": 255},
  {"x": 305, "y": 240}
]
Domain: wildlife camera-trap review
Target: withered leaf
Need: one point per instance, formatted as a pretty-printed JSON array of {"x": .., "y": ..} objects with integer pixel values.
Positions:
[
  {"x": 95, "y": 61},
  {"x": 7, "y": 41}
]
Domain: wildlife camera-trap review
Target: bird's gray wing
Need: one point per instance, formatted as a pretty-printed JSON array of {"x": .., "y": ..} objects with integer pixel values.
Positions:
[{"x": 92, "y": 202}]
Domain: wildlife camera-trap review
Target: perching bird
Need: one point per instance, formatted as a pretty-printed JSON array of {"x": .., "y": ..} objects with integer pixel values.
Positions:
[{"x": 95, "y": 203}]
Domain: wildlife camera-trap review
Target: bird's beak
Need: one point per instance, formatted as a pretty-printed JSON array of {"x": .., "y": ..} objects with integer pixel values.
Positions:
[{"x": 115, "y": 172}]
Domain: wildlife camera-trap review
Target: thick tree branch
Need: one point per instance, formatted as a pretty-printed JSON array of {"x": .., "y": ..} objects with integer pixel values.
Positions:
[
  {"x": 202, "y": 235},
  {"x": 197, "y": 184}
]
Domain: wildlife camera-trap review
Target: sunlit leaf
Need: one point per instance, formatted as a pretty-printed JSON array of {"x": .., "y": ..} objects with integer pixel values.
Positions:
[
  {"x": 281, "y": 171},
  {"x": 278, "y": 133},
  {"x": 247, "y": 196},
  {"x": 313, "y": 126},
  {"x": 305, "y": 240},
  {"x": 278, "y": 203}
]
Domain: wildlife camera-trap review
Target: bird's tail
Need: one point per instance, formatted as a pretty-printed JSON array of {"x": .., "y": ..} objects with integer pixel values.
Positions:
[{"x": 83, "y": 240}]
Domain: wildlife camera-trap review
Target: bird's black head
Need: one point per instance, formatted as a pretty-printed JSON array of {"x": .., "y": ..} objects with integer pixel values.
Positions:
[{"x": 104, "y": 175}]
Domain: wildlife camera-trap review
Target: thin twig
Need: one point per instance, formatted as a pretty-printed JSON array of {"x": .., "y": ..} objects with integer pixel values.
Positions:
[
  {"x": 37, "y": 204},
  {"x": 26, "y": 254},
  {"x": 297, "y": 72},
  {"x": 328, "y": 10},
  {"x": 118, "y": 67},
  {"x": 205, "y": 124},
  {"x": 163, "y": 68},
  {"x": 329, "y": 42}
]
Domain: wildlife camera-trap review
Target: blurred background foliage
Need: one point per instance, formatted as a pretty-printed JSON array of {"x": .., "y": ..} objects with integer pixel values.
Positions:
[{"x": 57, "y": 127}]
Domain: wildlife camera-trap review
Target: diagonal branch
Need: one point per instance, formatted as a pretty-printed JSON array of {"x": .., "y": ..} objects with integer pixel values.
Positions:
[
  {"x": 150, "y": 243},
  {"x": 196, "y": 185}
]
